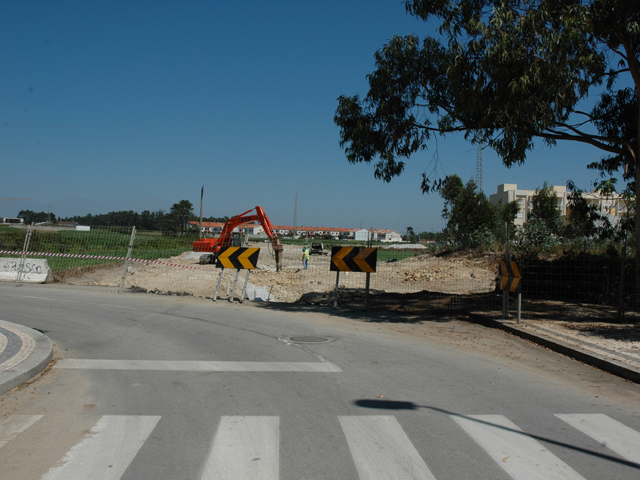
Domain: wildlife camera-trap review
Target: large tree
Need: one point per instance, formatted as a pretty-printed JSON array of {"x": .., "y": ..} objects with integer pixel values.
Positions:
[
  {"x": 472, "y": 221},
  {"x": 182, "y": 212},
  {"x": 544, "y": 208},
  {"x": 506, "y": 74},
  {"x": 29, "y": 217}
]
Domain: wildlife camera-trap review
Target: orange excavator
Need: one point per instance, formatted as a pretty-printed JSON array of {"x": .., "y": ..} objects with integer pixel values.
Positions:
[{"x": 212, "y": 246}]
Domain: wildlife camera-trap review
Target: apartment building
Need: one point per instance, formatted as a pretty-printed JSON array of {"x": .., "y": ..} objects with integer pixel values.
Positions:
[{"x": 612, "y": 205}]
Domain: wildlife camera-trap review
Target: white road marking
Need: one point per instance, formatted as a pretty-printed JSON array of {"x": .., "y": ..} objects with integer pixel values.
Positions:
[
  {"x": 107, "y": 449},
  {"x": 245, "y": 448},
  {"x": 609, "y": 432},
  {"x": 14, "y": 425},
  {"x": 518, "y": 454},
  {"x": 381, "y": 449},
  {"x": 197, "y": 366},
  {"x": 65, "y": 300}
]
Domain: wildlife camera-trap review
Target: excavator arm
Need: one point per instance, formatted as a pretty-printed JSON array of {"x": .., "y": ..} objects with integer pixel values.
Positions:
[{"x": 215, "y": 245}]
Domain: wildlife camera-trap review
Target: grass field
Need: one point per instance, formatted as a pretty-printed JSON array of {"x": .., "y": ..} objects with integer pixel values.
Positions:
[
  {"x": 384, "y": 254},
  {"x": 398, "y": 254},
  {"x": 147, "y": 245},
  {"x": 105, "y": 242}
]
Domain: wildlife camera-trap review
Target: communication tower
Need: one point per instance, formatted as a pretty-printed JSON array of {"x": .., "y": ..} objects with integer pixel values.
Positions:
[{"x": 480, "y": 168}]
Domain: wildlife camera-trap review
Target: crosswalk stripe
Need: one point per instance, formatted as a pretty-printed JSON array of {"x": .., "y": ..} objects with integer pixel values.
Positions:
[
  {"x": 381, "y": 449},
  {"x": 198, "y": 366},
  {"x": 518, "y": 454},
  {"x": 609, "y": 432},
  {"x": 14, "y": 425},
  {"x": 107, "y": 449},
  {"x": 245, "y": 448}
]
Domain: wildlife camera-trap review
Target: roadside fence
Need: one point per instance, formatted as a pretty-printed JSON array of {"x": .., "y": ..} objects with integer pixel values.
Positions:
[{"x": 408, "y": 277}]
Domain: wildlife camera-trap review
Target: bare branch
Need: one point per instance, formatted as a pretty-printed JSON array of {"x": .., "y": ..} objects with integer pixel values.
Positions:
[
  {"x": 583, "y": 138},
  {"x": 613, "y": 74}
]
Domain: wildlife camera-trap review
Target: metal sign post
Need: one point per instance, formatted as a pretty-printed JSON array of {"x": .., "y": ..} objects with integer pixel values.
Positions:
[
  {"x": 235, "y": 282},
  {"x": 366, "y": 292},
  {"x": 240, "y": 258},
  {"x": 215, "y": 297},
  {"x": 353, "y": 259},
  {"x": 25, "y": 248},
  {"x": 505, "y": 292},
  {"x": 244, "y": 290},
  {"x": 510, "y": 281},
  {"x": 126, "y": 262},
  {"x": 519, "y": 305}
]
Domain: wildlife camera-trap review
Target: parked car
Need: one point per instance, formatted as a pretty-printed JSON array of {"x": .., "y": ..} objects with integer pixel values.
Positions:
[{"x": 317, "y": 249}]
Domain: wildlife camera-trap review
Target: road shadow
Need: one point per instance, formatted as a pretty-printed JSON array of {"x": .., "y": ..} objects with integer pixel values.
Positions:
[
  {"x": 385, "y": 307},
  {"x": 383, "y": 404},
  {"x": 373, "y": 315},
  {"x": 572, "y": 314}
]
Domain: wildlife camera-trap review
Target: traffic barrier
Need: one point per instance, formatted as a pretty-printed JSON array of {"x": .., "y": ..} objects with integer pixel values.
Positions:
[{"x": 35, "y": 270}]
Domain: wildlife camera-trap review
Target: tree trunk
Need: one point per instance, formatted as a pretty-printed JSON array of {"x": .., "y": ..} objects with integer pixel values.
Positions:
[
  {"x": 636, "y": 301},
  {"x": 636, "y": 158}
]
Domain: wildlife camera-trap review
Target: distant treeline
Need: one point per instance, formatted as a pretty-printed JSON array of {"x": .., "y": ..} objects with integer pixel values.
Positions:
[
  {"x": 29, "y": 217},
  {"x": 159, "y": 220}
]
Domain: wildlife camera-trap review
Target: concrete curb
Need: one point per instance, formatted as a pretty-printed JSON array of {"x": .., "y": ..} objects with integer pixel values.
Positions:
[
  {"x": 615, "y": 367},
  {"x": 31, "y": 366}
]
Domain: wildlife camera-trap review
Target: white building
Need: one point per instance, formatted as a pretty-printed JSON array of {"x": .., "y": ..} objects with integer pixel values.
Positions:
[
  {"x": 388, "y": 236},
  {"x": 253, "y": 230},
  {"x": 377, "y": 235},
  {"x": 11, "y": 220},
  {"x": 363, "y": 235},
  {"x": 612, "y": 205}
]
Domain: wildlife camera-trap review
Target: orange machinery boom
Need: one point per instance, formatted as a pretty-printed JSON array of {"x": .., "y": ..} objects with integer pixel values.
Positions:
[{"x": 214, "y": 245}]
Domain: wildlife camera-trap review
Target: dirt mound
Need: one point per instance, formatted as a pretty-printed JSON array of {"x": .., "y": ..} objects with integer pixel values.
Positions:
[{"x": 450, "y": 274}]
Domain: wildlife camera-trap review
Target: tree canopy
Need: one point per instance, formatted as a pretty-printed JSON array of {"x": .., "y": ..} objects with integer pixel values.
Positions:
[
  {"x": 544, "y": 208},
  {"x": 471, "y": 219},
  {"x": 182, "y": 212},
  {"x": 504, "y": 73},
  {"x": 147, "y": 220},
  {"x": 29, "y": 217}
]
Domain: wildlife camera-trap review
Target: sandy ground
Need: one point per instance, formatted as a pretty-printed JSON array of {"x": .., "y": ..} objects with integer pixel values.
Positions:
[{"x": 453, "y": 275}]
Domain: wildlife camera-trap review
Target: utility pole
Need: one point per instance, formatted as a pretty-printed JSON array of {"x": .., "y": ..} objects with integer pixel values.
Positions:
[
  {"x": 480, "y": 169},
  {"x": 295, "y": 217},
  {"x": 201, "y": 197}
]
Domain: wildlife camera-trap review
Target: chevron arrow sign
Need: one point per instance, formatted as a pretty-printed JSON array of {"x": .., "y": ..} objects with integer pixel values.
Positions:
[
  {"x": 353, "y": 259},
  {"x": 238, "y": 257},
  {"x": 509, "y": 276}
]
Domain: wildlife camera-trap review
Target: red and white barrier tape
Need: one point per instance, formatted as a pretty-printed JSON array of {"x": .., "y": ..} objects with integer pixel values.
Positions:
[{"x": 99, "y": 257}]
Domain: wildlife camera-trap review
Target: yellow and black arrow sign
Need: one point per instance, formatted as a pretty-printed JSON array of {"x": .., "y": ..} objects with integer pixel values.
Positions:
[
  {"x": 238, "y": 257},
  {"x": 353, "y": 259},
  {"x": 509, "y": 276}
]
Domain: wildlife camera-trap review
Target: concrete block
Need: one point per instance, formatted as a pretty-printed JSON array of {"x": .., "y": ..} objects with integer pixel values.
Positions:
[
  {"x": 260, "y": 294},
  {"x": 35, "y": 270}
]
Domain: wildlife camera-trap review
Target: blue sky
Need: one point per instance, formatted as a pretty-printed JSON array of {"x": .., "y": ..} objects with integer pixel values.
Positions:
[{"x": 134, "y": 105}]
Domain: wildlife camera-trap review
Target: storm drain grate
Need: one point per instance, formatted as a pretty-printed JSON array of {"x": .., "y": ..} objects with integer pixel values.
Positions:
[{"x": 308, "y": 339}]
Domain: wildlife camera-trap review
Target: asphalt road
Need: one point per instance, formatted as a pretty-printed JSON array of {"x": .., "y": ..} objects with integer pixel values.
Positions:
[{"x": 148, "y": 387}]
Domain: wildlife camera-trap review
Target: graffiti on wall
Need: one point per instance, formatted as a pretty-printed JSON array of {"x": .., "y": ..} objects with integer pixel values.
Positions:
[{"x": 31, "y": 269}]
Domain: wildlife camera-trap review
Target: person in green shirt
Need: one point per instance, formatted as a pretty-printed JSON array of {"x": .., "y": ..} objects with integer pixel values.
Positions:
[{"x": 305, "y": 257}]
